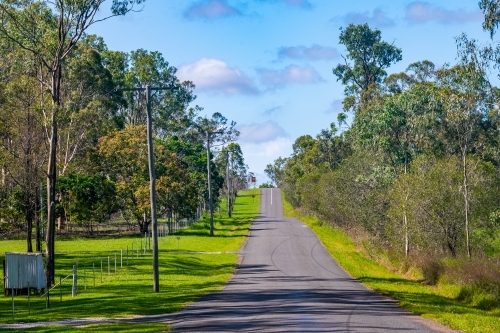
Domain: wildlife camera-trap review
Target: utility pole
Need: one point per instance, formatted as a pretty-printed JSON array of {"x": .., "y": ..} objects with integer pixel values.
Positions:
[
  {"x": 209, "y": 176},
  {"x": 152, "y": 193},
  {"x": 228, "y": 186},
  {"x": 152, "y": 181}
]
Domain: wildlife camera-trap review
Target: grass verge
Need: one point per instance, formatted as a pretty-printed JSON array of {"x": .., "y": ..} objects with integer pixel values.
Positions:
[
  {"x": 143, "y": 328},
  {"x": 438, "y": 302},
  {"x": 191, "y": 264}
]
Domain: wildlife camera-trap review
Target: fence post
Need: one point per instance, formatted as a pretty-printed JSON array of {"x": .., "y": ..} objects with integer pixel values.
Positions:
[
  {"x": 73, "y": 289},
  {"x": 12, "y": 292},
  {"x": 121, "y": 258},
  {"x": 101, "y": 270},
  {"x": 29, "y": 300},
  {"x": 115, "y": 262}
]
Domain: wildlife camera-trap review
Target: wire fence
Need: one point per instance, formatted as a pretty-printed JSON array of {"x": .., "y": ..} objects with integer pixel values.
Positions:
[{"x": 94, "y": 272}]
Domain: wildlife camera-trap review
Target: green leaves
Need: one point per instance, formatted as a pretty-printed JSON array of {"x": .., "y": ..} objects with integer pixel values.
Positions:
[
  {"x": 491, "y": 11},
  {"x": 370, "y": 57}
]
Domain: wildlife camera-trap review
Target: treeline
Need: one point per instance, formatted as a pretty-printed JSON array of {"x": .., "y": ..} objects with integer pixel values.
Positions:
[
  {"x": 417, "y": 171},
  {"x": 73, "y": 146}
]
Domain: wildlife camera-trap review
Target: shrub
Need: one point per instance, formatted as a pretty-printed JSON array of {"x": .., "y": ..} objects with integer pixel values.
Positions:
[
  {"x": 480, "y": 280},
  {"x": 431, "y": 269}
]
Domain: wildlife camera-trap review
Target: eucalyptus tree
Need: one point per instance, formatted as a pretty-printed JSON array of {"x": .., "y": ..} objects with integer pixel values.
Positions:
[
  {"x": 88, "y": 108},
  {"x": 238, "y": 168},
  {"x": 230, "y": 161},
  {"x": 22, "y": 145},
  {"x": 364, "y": 65},
  {"x": 50, "y": 30},
  {"x": 436, "y": 204},
  {"x": 465, "y": 107},
  {"x": 275, "y": 171},
  {"x": 172, "y": 114},
  {"x": 216, "y": 132}
]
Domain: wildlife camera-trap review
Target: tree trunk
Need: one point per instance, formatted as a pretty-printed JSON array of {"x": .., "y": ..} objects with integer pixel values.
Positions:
[
  {"x": 38, "y": 219},
  {"x": 405, "y": 217},
  {"x": 51, "y": 179},
  {"x": 60, "y": 223},
  {"x": 466, "y": 202},
  {"x": 29, "y": 228}
]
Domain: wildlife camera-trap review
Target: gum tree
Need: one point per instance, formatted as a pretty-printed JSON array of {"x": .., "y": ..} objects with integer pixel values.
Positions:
[{"x": 50, "y": 30}]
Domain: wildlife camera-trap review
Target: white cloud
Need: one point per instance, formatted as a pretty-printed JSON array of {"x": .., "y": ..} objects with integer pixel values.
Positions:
[
  {"x": 210, "y": 9},
  {"x": 378, "y": 18},
  {"x": 215, "y": 75},
  {"x": 422, "y": 12},
  {"x": 315, "y": 52},
  {"x": 291, "y": 74},
  {"x": 259, "y": 133},
  {"x": 258, "y": 155}
]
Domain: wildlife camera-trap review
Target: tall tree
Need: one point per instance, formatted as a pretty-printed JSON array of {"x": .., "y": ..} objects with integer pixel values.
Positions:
[
  {"x": 216, "y": 131},
  {"x": 50, "y": 30},
  {"x": 275, "y": 171},
  {"x": 364, "y": 65},
  {"x": 171, "y": 112},
  {"x": 22, "y": 147}
]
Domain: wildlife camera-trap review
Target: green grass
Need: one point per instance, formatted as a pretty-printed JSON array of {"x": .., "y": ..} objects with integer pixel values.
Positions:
[
  {"x": 434, "y": 302},
  {"x": 185, "y": 273},
  {"x": 143, "y": 328}
]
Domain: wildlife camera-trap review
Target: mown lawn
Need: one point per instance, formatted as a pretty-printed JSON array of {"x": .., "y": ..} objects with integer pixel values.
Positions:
[
  {"x": 191, "y": 264},
  {"x": 104, "y": 328},
  {"x": 434, "y": 302}
]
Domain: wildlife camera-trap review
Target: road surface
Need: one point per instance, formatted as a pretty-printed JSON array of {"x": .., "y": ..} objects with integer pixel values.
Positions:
[{"x": 287, "y": 282}]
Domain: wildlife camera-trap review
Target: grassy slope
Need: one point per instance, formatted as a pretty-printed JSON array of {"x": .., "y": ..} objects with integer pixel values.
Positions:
[
  {"x": 437, "y": 303},
  {"x": 184, "y": 275}
]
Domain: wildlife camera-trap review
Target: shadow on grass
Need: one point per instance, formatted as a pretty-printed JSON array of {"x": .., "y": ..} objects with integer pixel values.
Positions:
[
  {"x": 190, "y": 277},
  {"x": 183, "y": 278},
  {"x": 127, "y": 327},
  {"x": 418, "y": 302}
]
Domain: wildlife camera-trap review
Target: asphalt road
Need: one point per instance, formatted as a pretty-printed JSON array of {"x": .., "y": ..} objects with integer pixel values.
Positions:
[{"x": 287, "y": 282}]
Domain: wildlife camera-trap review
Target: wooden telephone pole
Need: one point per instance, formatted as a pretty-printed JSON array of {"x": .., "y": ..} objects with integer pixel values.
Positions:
[{"x": 152, "y": 181}]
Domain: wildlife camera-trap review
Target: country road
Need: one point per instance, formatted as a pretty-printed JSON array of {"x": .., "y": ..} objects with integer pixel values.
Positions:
[{"x": 287, "y": 282}]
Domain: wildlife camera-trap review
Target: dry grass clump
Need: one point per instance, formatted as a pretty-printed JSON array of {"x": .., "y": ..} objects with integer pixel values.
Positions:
[
  {"x": 431, "y": 268},
  {"x": 480, "y": 281}
]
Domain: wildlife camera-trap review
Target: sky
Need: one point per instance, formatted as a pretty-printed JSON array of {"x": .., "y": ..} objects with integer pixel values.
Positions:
[{"x": 267, "y": 64}]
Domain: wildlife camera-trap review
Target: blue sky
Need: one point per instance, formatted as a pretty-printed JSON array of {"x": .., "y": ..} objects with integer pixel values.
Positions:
[{"x": 267, "y": 64}]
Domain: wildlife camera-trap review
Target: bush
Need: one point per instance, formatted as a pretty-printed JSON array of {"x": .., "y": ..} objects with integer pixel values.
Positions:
[
  {"x": 480, "y": 280},
  {"x": 431, "y": 269}
]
